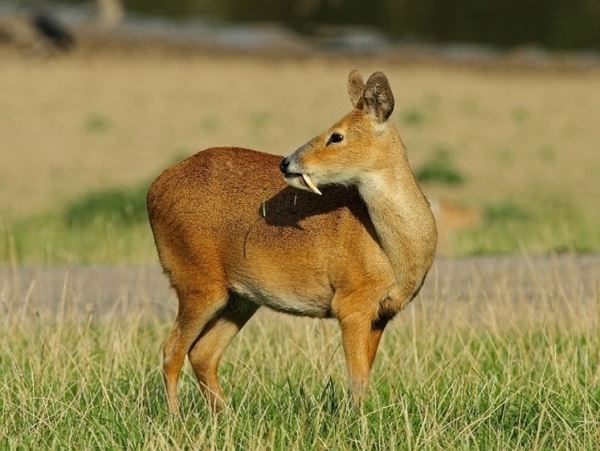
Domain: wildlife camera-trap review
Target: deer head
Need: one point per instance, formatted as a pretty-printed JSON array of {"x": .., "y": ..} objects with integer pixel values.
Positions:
[{"x": 352, "y": 147}]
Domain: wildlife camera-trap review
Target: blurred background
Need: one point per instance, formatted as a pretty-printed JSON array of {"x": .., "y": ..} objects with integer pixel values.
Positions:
[{"x": 498, "y": 104}]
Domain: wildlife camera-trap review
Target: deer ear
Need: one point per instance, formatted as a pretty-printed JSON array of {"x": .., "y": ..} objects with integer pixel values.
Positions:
[
  {"x": 378, "y": 97},
  {"x": 356, "y": 86}
]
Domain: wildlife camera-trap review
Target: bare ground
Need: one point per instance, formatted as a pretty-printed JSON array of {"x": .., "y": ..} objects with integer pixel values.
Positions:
[{"x": 547, "y": 285}]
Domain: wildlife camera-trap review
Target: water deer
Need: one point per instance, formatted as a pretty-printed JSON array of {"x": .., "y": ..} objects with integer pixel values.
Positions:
[{"x": 338, "y": 229}]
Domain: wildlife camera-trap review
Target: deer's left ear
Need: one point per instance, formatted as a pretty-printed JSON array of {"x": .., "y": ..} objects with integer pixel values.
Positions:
[
  {"x": 378, "y": 97},
  {"x": 356, "y": 86}
]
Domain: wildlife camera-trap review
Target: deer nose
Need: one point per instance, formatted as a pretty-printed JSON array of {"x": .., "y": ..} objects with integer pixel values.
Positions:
[{"x": 284, "y": 165}]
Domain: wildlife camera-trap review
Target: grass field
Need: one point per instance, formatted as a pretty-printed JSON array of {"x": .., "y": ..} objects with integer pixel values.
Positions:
[
  {"x": 518, "y": 145},
  {"x": 494, "y": 354}
]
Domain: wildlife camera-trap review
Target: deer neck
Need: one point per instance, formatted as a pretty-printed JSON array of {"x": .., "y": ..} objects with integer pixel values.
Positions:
[{"x": 402, "y": 218}]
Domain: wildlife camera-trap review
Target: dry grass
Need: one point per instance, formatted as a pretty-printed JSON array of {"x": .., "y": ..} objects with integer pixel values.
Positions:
[
  {"x": 522, "y": 140},
  {"x": 72, "y": 124},
  {"x": 495, "y": 353}
]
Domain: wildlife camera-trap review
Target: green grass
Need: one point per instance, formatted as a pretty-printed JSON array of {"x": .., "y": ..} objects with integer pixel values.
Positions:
[
  {"x": 210, "y": 124},
  {"x": 97, "y": 123},
  {"x": 119, "y": 205},
  {"x": 546, "y": 153},
  {"x": 259, "y": 121},
  {"x": 504, "y": 211},
  {"x": 547, "y": 225},
  {"x": 440, "y": 169},
  {"x": 110, "y": 226},
  {"x": 413, "y": 117},
  {"x": 449, "y": 375},
  {"x": 103, "y": 226},
  {"x": 520, "y": 115},
  {"x": 47, "y": 239}
]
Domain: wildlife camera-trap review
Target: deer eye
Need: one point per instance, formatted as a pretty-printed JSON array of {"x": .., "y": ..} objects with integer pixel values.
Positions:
[{"x": 335, "y": 138}]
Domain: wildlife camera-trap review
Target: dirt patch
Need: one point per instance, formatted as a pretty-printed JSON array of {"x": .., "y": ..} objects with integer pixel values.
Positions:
[{"x": 550, "y": 284}]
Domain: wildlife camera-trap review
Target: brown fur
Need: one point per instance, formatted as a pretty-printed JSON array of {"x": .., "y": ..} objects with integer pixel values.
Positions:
[{"x": 232, "y": 236}]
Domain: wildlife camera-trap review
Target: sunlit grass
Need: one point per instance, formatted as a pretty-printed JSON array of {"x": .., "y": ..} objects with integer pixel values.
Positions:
[
  {"x": 111, "y": 227},
  {"x": 47, "y": 239},
  {"x": 549, "y": 226},
  {"x": 499, "y": 371}
]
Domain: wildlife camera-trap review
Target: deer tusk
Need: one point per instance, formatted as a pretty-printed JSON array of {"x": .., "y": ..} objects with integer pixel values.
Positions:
[{"x": 311, "y": 185}]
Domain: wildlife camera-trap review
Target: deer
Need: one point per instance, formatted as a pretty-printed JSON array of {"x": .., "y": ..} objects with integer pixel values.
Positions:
[{"x": 338, "y": 229}]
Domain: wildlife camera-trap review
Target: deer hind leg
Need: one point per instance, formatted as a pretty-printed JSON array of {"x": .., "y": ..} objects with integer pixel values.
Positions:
[
  {"x": 196, "y": 309},
  {"x": 206, "y": 352}
]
